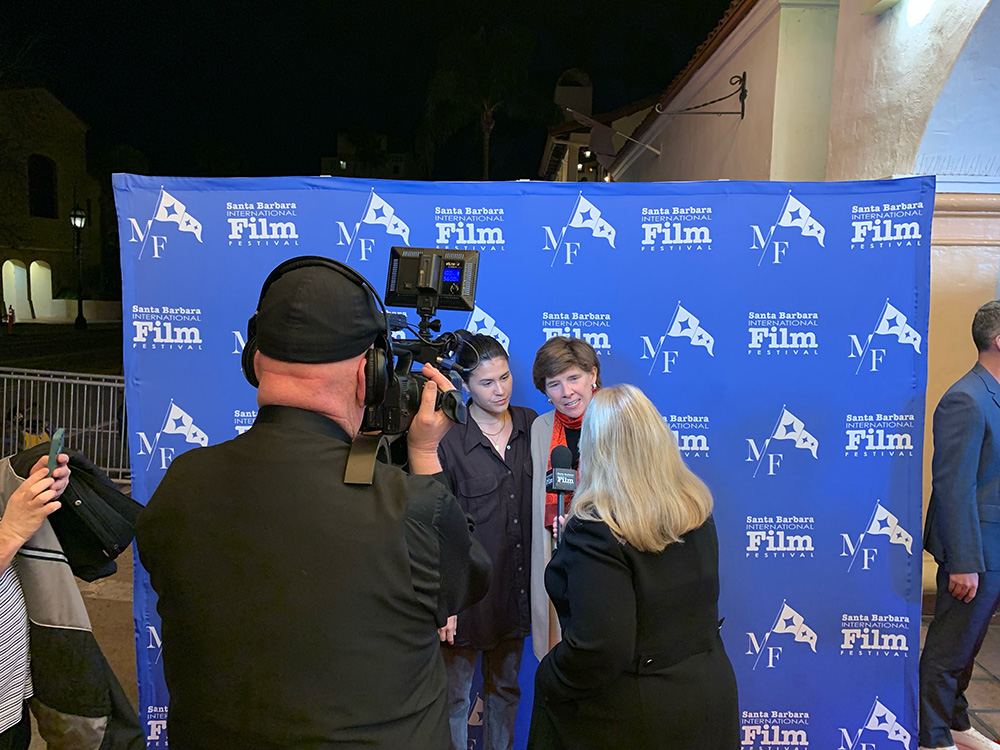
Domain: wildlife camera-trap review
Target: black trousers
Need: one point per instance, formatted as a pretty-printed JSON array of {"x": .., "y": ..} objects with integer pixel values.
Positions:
[
  {"x": 18, "y": 737},
  {"x": 953, "y": 640}
]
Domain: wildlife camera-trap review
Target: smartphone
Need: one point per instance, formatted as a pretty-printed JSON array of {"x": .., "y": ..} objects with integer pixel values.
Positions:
[{"x": 56, "y": 449}]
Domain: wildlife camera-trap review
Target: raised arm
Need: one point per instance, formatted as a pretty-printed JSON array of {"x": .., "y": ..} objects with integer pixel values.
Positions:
[{"x": 30, "y": 504}]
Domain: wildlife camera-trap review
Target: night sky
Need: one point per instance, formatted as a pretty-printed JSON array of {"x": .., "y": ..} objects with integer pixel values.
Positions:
[{"x": 262, "y": 88}]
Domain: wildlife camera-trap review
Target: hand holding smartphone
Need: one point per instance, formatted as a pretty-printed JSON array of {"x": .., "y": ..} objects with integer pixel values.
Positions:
[{"x": 56, "y": 449}]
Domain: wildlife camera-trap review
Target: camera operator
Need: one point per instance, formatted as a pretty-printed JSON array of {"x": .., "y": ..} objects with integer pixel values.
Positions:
[{"x": 298, "y": 611}]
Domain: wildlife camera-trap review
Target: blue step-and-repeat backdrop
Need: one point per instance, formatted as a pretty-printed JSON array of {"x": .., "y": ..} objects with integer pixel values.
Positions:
[{"x": 779, "y": 327}]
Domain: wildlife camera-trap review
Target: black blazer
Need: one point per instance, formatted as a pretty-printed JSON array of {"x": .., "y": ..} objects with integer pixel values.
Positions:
[
  {"x": 640, "y": 658},
  {"x": 963, "y": 519}
]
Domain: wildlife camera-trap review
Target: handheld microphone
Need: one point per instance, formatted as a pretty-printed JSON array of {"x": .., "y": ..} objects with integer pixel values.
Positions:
[{"x": 560, "y": 479}]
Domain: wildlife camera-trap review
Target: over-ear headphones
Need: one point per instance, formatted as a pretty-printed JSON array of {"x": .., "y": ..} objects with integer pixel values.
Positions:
[{"x": 378, "y": 360}]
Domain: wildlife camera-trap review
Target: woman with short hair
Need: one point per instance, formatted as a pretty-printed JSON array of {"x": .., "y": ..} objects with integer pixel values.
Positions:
[
  {"x": 487, "y": 463},
  {"x": 568, "y": 372},
  {"x": 635, "y": 583}
]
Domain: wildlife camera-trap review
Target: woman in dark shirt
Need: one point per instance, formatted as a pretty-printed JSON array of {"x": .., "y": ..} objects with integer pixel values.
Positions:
[
  {"x": 635, "y": 583},
  {"x": 487, "y": 462}
]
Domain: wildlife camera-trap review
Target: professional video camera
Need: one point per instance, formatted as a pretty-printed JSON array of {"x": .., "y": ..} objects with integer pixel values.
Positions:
[{"x": 426, "y": 279}]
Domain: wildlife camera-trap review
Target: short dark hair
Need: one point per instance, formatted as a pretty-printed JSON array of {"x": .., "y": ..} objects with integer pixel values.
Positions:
[
  {"x": 560, "y": 353},
  {"x": 477, "y": 350},
  {"x": 986, "y": 325}
]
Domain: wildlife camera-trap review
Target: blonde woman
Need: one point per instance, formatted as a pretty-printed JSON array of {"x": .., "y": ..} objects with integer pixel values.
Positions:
[{"x": 635, "y": 585}]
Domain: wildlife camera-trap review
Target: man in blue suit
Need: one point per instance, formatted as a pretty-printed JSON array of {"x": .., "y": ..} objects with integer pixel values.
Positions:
[{"x": 963, "y": 534}]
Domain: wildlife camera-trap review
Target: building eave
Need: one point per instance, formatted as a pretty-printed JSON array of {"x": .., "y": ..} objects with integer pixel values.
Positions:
[{"x": 731, "y": 19}]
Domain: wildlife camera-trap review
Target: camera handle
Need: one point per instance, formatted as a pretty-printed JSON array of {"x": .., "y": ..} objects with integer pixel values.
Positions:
[{"x": 451, "y": 403}]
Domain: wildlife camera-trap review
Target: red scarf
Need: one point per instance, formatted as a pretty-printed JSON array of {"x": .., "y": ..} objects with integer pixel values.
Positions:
[{"x": 559, "y": 427}]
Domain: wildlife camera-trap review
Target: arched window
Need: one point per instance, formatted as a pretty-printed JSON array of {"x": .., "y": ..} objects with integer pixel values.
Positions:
[
  {"x": 40, "y": 276},
  {"x": 15, "y": 288},
  {"x": 42, "y": 187}
]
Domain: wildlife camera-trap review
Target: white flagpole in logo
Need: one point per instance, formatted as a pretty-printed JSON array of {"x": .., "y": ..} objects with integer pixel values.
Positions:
[
  {"x": 664, "y": 338},
  {"x": 767, "y": 242},
  {"x": 159, "y": 432},
  {"x": 763, "y": 450},
  {"x": 357, "y": 226},
  {"x": 572, "y": 213},
  {"x": 149, "y": 225},
  {"x": 858, "y": 548},
  {"x": 868, "y": 718},
  {"x": 869, "y": 341},
  {"x": 893, "y": 323},
  {"x": 770, "y": 630},
  {"x": 886, "y": 722}
]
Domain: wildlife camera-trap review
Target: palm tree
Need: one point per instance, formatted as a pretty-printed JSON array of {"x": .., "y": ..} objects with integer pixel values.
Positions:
[{"x": 478, "y": 76}]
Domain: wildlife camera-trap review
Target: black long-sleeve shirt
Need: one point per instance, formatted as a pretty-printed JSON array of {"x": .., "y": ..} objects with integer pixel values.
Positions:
[{"x": 496, "y": 493}]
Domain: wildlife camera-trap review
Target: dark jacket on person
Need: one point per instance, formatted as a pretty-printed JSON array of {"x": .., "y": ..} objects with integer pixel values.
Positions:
[
  {"x": 963, "y": 519},
  {"x": 640, "y": 664},
  {"x": 297, "y": 611},
  {"x": 96, "y": 522},
  {"x": 496, "y": 493}
]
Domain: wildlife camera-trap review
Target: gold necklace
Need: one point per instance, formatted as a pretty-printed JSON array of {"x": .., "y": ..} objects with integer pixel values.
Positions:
[{"x": 503, "y": 425}]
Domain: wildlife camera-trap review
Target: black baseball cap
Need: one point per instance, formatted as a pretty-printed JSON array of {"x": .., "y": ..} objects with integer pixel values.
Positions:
[{"x": 316, "y": 314}]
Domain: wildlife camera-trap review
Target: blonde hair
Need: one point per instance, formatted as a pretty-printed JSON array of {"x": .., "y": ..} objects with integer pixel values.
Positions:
[{"x": 632, "y": 476}]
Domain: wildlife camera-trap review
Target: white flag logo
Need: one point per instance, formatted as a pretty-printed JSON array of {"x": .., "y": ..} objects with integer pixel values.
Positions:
[
  {"x": 380, "y": 212},
  {"x": 168, "y": 208}
]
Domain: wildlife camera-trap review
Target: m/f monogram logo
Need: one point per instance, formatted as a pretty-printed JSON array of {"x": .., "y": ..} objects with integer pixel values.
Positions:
[
  {"x": 175, "y": 422},
  {"x": 168, "y": 209},
  {"x": 682, "y": 325},
  {"x": 376, "y": 212},
  {"x": 586, "y": 215},
  {"x": 787, "y": 621},
  {"x": 891, "y": 322},
  {"x": 788, "y": 427},
  {"x": 880, "y": 719},
  {"x": 155, "y": 643},
  {"x": 881, "y": 523},
  {"x": 793, "y": 213}
]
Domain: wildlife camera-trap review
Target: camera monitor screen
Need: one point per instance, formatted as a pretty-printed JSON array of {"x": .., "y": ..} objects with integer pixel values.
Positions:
[{"x": 448, "y": 275}]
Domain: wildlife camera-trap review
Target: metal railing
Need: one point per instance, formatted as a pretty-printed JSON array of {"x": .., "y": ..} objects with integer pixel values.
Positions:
[{"x": 91, "y": 409}]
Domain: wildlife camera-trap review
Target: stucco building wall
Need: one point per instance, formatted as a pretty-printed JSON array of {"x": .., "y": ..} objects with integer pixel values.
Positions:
[
  {"x": 38, "y": 124},
  {"x": 889, "y": 71},
  {"x": 706, "y": 147}
]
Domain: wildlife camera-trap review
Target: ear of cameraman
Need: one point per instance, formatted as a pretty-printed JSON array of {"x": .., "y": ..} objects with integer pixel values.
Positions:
[{"x": 297, "y": 610}]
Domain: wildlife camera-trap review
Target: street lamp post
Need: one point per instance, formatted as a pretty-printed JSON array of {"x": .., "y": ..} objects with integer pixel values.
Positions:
[{"x": 79, "y": 218}]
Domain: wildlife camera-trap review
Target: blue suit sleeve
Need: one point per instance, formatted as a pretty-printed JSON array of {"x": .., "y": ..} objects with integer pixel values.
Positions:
[{"x": 959, "y": 429}]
